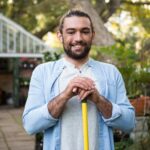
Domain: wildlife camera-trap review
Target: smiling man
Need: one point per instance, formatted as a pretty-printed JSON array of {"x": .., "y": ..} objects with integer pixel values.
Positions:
[
  {"x": 76, "y": 35},
  {"x": 57, "y": 89}
]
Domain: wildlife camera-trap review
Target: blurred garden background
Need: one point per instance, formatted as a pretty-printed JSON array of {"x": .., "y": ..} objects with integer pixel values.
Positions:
[{"x": 28, "y": 37}]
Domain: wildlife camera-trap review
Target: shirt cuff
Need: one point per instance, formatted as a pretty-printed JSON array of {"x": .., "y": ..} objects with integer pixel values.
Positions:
[
  {"x": 46, "y": 113},
  {"x": 116, "y": 112}
]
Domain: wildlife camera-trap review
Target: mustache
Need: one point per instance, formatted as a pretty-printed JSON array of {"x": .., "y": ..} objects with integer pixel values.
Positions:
[{"x": 79, "y": 43}]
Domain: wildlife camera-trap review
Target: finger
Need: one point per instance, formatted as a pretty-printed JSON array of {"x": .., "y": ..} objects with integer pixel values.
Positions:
[
  {"x": 78, "y": 84},
  {"x": 90, "y": 83},
  {"x": 85, "y": 94},
  {"x": 86, "y": 82},
  {"x": 74, "y": 90},
  {"x": 81, "y": 93}
]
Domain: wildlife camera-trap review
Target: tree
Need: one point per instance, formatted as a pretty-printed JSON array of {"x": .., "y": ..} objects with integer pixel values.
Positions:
[
  {"x": 42, "y": 16},
  {"x": 39, "y": 16}
]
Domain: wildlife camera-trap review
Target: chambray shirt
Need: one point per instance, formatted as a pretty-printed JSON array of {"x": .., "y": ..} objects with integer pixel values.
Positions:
[{"x": 44, "y": 87}]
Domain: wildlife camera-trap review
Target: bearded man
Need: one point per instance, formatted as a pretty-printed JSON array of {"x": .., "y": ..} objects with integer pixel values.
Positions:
[{"x": 57, "y": 89}]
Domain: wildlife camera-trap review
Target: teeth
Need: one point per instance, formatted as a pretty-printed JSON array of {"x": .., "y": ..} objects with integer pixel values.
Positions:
[{"x": 77, "y": 46}]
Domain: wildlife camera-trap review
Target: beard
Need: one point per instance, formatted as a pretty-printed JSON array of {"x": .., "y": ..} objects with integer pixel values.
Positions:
[{"x": 74, "y": 55}]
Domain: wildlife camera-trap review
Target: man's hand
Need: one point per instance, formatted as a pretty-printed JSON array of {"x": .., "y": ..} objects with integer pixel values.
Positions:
[
  {"x": 85, "y": 88},
  {"x": 103, "y": 105},
  {"x": 81, "y": 86}
]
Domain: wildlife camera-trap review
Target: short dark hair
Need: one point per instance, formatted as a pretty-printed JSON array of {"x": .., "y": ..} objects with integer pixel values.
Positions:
[{"x": 77, "y": 13}]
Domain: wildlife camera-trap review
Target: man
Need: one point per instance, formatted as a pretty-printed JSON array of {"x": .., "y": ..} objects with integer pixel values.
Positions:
[{"x": 57, "y": 89}]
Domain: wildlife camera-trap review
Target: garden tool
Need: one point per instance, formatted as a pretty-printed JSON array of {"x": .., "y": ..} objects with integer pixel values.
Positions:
[{"x": 85, "y": 124}]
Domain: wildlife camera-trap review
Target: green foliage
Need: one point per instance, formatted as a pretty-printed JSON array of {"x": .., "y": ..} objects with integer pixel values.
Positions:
[
  {"x": 28, "y": 13},
  {"x": 119, "y": 54},
  {"x": 122, "y": 145},
  {"x": 143, "y": 144},
  {"x": 41, "y": 16},
  {"x": 124, "y": 57},
  {"x": 141, "y": 13},
  {"x": 52, "y": 56}
]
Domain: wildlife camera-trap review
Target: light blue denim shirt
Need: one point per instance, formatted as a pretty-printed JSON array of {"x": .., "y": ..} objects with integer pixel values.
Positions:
[{"x": 44, "y": 87}]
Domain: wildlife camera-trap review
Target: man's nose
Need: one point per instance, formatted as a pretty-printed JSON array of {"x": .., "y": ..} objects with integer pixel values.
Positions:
[{"x": 78, "y": 36}]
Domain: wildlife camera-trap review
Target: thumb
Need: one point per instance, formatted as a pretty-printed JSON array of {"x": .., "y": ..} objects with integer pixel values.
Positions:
[{"x": 74, "y": 90}]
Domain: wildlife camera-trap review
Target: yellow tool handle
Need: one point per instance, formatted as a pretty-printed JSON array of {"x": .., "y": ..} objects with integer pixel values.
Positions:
[{"x": 85, "y": 125}]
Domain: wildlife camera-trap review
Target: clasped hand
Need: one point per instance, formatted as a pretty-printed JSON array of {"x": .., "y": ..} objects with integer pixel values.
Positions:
[{"x": 83, "y": 87}]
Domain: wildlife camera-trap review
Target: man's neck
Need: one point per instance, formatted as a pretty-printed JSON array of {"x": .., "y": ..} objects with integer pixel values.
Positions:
[{"x": 77, "y": 62}]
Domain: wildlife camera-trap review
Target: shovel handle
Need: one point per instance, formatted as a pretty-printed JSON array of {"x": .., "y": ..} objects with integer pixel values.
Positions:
[{"x": 85, "y": 125}]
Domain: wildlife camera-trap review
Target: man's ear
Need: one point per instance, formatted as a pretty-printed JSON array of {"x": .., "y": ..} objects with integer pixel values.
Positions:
[
  {"x": 93, "y": 34},
  {"x": 59, "y": 35}
]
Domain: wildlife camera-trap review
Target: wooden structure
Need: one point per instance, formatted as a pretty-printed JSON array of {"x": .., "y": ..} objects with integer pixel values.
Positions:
[{"x": 16, "y": 43}]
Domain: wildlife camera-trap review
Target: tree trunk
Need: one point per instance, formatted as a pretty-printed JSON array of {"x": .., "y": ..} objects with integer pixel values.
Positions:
[{"x": 102, "y": 36}]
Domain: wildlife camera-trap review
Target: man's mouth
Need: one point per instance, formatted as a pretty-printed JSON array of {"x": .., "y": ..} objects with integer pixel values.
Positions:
[{"x": 77, "y": 46}]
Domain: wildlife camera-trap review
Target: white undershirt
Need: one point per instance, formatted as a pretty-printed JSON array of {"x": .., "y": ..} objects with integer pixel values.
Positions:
[{"x": 71, "y": 120}]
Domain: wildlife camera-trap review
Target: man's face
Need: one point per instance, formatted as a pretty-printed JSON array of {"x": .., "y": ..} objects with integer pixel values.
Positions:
[{"x": 77, "y": 37}]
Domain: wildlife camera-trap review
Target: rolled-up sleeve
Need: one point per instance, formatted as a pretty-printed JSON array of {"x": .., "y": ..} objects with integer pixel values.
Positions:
[
  {"x": 123, "y": 114},
  {"x": 36, "y": 116}
]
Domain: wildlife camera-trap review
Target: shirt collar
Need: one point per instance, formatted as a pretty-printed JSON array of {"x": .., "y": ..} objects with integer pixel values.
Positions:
[{"x": 68, "y": 64}]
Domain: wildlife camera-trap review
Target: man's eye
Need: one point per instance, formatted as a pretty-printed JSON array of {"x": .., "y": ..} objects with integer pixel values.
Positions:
[
  {"x": 70, "y": 32},
  {"x": 86, "y": 32}
]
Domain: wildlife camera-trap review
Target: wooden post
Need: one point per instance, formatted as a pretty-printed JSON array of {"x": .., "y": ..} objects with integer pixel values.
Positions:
[{"x": 16, "y": 81}]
